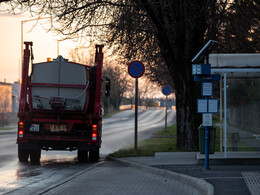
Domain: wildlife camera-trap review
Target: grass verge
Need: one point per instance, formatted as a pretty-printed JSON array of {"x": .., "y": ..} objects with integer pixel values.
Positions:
[
  {"x": 6, "y": 128},
  {"x": 161, "y": 141}
]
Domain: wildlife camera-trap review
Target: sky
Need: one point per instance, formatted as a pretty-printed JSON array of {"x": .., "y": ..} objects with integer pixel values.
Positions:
[{"x": 44, "y": 43}]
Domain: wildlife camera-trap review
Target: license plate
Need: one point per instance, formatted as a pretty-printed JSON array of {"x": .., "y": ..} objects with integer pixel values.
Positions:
[
  {"x": 35, "y": 127},
  {"x": 54, "y": 127}
]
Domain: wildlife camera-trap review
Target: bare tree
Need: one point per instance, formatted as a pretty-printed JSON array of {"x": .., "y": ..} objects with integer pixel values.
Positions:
[
  {"x": 111, "y": 70},
  {"x": 119, "y": 83},
  {"x": 165, "y": 34},
  {"x": 235, "y": 25},
  {"x": 82, "y": 54}
]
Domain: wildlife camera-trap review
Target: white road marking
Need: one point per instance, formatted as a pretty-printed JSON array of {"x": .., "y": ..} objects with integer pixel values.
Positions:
[{"x": 252, "y": 180}]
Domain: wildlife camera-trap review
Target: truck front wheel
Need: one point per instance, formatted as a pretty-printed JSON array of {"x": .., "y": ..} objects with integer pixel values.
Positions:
[
  {"x": 94, "y": 156},
  {"x": 23, "y": 155}
]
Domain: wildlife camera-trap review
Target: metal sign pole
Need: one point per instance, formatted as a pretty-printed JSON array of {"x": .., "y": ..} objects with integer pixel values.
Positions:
[
  {"x": 207, "y": 134},
  {"x": 166, "y": 115},
  {"x": 221, "y": 117},
  {"x": 136, "y": 70},
  {"x": 166, "y": 90},
  {"x": 225, "y": 115},
  {"x": 202, "y": 72},
  {"x": 136, "y": 111},
  {"x": 207, "y": 148}
]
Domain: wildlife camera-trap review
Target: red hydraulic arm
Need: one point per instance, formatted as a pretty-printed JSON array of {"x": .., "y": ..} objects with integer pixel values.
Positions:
[
  {"x": 25, "y": 70},
  {"x": 99, "y": 57}
]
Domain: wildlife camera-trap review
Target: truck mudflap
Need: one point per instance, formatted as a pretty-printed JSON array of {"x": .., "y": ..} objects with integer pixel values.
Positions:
[{"x": 29, "y": 149}]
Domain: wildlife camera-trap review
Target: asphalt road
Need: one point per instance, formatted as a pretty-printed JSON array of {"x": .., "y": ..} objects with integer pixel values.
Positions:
[{"x": 118, "y": 131}]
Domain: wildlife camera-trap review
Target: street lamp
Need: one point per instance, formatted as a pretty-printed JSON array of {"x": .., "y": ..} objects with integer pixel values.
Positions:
[
  {"x": 58, "y": 47},
  {"x": 58, "y": 42},
  {"x": 22, "y": 22}
]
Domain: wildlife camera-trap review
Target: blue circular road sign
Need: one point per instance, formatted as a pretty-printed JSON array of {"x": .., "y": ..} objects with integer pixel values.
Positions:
[
  {"x": 136, "y": 69},
  {"x": 167, "y": 90}
]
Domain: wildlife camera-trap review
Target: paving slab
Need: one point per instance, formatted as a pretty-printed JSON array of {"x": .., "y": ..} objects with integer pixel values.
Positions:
[
  {"x": 117, "y": 178},
  {"x": 233, "y": 173}
]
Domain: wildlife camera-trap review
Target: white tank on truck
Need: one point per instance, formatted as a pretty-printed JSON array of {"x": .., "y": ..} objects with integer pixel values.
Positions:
[{"x": 63, "y": 73}]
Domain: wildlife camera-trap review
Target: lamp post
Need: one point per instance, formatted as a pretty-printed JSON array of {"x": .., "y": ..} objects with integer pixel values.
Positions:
[
  {"x": 22, "y": 22},
  {"x": 58, "y": 47}
]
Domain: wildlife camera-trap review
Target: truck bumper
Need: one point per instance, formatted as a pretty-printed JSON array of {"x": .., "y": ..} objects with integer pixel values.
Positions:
[{"x": 29, "y": 146}]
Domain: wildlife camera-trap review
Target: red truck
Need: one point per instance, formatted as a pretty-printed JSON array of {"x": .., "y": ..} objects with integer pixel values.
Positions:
[{"x": 60, "y": 107}]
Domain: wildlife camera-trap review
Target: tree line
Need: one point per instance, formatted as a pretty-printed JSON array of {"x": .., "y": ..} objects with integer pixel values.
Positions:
[{"x": 164, "y": 34}]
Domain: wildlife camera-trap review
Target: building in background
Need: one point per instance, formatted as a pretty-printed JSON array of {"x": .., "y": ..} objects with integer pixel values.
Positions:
[
  {"x": 16, "y": 90},
  {"x": 9, "y": 102},
  {"x": 5, "y": 97}
]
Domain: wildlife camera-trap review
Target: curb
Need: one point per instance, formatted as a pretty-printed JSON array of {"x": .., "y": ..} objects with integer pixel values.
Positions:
[
  {"x": 231, "y": 161},
  {"x": 200, "y": 184}
]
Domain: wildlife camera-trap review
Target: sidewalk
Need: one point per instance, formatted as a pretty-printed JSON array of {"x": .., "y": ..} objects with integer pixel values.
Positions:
[
  {"x": 192, "y": 185},
  {"x": 138, "y": 175},
  {"x": 124, "y": 177},
  {"x": 195, "y": 158},
  {"x": 130, "y": 176},
  {"x": 235, "y": 173}
]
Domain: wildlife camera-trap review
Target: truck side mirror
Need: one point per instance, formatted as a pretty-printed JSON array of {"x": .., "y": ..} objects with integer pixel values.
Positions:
[{"x": 107, "y": 82}]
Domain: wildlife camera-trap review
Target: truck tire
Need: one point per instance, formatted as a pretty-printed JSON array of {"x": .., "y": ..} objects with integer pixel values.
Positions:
[
  {"x": 23, "y": 155},
  {"x": 35, "y": 156},
  {"x": 82, "y": 156},
  {"x": 94, "y": 156}
]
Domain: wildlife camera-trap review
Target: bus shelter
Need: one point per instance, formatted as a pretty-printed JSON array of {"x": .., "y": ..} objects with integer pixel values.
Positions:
[{"x": 239, "y": 100}]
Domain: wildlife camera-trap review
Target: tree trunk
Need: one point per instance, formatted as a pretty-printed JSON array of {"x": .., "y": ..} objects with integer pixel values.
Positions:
[
  {"x": 187, "y": 91},
  {"x": 180, "y": 36},
  {"x": 188, "y": 120}
]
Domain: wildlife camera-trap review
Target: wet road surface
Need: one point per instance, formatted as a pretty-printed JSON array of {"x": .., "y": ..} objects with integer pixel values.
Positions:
[
  {"x": 24, "y": 178},
  {"x": 55, "y": 166}
]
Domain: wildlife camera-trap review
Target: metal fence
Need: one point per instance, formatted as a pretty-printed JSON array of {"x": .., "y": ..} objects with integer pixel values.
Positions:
[
  {"x": 246, "y": 116},
  {"x": 243, "y": 114}
]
